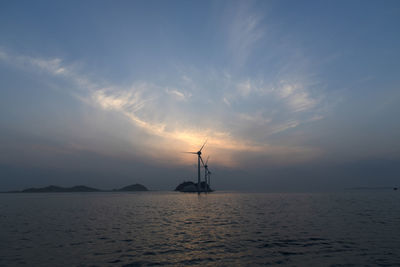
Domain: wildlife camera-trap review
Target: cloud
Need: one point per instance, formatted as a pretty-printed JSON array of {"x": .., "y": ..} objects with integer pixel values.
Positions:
[
  {"x": 3, "y": 54},
  {"x": 51, "y": 65},
  {"x": 226, "y": 101},
  {"x": 170, "y": 127},
  {"x": 178, "y": 95},
  {"x": 244, "y": 31},
  {"x": 131, "y": 101},
  {"x": 295, "y": 96},
  {"x": 244, "y": 88}
]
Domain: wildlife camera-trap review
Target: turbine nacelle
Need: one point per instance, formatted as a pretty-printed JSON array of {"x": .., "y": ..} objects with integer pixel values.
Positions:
[
  {"x": 206, "y": 164},
  {"x": 198, "y": 152}
]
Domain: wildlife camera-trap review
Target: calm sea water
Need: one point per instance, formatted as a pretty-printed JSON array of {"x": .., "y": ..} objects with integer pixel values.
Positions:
[{"x": 218, "y": 229}]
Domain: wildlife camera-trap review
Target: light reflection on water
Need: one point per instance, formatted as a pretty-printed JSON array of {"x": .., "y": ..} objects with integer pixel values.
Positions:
[{"x": 223, "y": 229}]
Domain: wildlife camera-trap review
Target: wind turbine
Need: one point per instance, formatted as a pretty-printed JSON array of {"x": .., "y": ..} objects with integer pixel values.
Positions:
[
  {"x": 198, "y": 164},
  {"x": 207, "y": 173}
]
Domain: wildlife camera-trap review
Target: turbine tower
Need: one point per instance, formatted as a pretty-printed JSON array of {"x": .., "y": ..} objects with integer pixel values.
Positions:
[
  {"x": 207, "y": 173},
  {"x": 198, "y": 164},
  {"x": 208, "y": 176}
]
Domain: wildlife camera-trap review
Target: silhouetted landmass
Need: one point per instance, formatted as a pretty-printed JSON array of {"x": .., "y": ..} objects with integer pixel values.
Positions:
[
  {"x": 186, "y": 187},
  {"x": 56, "y": 189},
  {"x": 78, "y": 188},
  {"x": 372, "y": 188},
  {"x": 190, "y": 187},
  {"x": 133, "y": 187}
]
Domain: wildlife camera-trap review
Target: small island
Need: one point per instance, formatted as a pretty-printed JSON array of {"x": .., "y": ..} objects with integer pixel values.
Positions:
[
  {"x": 58, "y": 189},
  {"x": 190, "y": 187},
  {"x": 133, "y": 187}
]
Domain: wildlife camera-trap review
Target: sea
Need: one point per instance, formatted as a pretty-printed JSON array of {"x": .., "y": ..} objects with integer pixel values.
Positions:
[{"x": 353, "y": 228}]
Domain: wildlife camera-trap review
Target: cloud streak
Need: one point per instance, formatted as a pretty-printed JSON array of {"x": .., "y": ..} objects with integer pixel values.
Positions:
[
  {"x": 244, "y": 32},
  {"x": 157, "y": 111}
]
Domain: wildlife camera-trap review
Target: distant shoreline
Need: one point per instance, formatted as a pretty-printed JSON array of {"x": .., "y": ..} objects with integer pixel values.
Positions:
[
  {"x": 79, "y": 188},
  {"x": 372, "y": 188}
]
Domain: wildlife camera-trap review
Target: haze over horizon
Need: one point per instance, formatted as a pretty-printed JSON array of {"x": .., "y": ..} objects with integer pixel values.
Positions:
[{"x": 291, "y": 95}]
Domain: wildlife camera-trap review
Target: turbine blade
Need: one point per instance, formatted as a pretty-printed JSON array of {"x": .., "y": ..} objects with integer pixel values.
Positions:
[
  {"x": 207, "y": 159},
  {"x": 202, "y": 162},
  {"x": 203, "y": 145},
  {"x": 190, "y": 152}
]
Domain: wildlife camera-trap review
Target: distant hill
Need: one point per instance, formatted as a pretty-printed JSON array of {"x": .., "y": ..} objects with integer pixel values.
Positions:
[
  {"x": 78, "y": 188},
  {"x": 53, "y": 188},
  {"x": 373, "y": 188},
  {"x": 133, "y": 187}
]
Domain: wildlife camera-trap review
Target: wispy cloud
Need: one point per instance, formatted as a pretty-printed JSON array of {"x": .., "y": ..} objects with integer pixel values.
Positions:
[
  {"x": 178, "y": 95},
  {"x": 244, "y": 31},
  {"x": 155, "y": 110},
  {"x": 296, "y": 96},
  {"x": 226, "y": 101},
  {"x": 244, "y": 88}
]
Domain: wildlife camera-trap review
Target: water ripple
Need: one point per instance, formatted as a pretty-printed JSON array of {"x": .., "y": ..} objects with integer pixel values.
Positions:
[{"x": 219, "y": 229}]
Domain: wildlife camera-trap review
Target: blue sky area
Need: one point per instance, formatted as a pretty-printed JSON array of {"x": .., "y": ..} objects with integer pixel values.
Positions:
[{"x": 291, "y": 95}]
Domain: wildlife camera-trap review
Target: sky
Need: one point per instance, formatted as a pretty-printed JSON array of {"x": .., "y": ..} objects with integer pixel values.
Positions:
[{"x": 290, "y": 95}]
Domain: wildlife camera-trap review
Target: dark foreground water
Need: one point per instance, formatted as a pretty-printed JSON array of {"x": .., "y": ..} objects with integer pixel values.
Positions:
[{"x": 219, "y": 229}]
